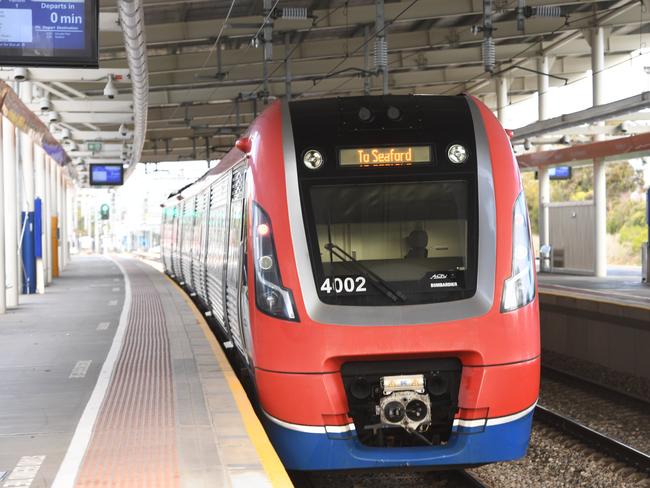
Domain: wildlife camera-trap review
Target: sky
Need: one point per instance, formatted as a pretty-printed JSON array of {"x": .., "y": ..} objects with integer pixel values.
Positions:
[
  {"x": 138, "y": 201},
  {"x": 623, "y": 80}
]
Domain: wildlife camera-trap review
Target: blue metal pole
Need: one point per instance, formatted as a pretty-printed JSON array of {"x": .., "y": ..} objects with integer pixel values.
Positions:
[
  {"x": 27, "y": 251},
  {"x": 38, "y": 228}
]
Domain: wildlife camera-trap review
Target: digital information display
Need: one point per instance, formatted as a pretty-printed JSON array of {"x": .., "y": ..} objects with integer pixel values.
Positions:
[
  {"x": 106, "y": 174},
  {"x": 385, "y": 156},
  {"x": 49, "y": 33},
  {"x": 560, "y": 173}
]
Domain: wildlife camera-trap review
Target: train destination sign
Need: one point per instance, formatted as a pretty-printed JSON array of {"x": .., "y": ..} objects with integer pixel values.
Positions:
[
  {"x": 49, "y": 33},
  {"x": 385, "y": 156}
]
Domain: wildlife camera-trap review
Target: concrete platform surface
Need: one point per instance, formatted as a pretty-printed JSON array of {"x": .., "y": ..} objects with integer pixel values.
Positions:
[
  {"x": 112, "y": 378},
  {"x": 620, "y": 288}
]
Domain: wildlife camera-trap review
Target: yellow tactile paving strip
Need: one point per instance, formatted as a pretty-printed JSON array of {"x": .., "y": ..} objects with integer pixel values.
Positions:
[{"x": 269, "y": 458}]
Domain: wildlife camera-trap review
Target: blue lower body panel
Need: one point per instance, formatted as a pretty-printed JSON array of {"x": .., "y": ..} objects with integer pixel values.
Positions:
[{"x": 310, "y": 451}]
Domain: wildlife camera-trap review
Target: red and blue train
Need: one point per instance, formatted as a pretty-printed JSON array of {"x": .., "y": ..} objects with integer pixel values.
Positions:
[{"x": 370, "y": 261}]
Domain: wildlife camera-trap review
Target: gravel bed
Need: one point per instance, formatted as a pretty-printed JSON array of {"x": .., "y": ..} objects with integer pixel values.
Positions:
[
  {"x": 634, "y": 385},
  {"x": 612, "y": 415},
  {"x": 556, "y": 460}
]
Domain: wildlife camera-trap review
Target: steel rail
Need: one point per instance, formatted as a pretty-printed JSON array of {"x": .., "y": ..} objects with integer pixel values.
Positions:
[
  {"x": 471, "y": 479},
  {"x": 554, "y": 373},
  {"x": 594, "y": 438}
]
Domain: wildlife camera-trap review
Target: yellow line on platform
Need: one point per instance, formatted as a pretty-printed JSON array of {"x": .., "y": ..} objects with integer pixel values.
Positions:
[{"x": 270, "y": 460}]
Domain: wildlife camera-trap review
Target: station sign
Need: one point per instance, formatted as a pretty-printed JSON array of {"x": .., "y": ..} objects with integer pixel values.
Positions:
[
  {"x": 94, "y": 146},
  {"x": 50, "y": 33},
  {"x": 106, "y": 174}
]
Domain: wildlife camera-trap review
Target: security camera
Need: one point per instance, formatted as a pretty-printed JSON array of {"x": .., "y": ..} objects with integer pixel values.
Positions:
[
  {"x": 123, "y": 130},
  {"x": 109, "y": 90},
  {"x": 44, "y": 104},
  {"x": 20, "y": 74},
  {"x": 52, "y": 117}
]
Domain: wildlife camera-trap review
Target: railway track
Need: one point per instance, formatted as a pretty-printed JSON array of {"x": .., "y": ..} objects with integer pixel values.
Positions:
[
  {"x": 596, "y": 415},
  {"x": 472, "y": 480},
  {"x": 614, "y": 414},
  {"x": 555, "y": 373},
  {"x": 594, "y": 439},
  {"x": 389, "y": 479}
]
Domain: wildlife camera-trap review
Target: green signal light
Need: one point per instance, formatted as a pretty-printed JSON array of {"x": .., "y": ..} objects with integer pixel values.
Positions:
[{"x": 104, "y": 211}]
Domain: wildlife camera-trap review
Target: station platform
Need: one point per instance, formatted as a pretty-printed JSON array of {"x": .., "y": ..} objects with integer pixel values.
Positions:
[
  {"x": 598, "y": 328},
  {"x": 113, "y": 378},
  {"x": 620, "y": 287}
]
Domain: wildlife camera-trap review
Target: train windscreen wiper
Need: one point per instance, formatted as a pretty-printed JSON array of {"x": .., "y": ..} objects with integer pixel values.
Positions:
[{"x": 376, "y": 280}]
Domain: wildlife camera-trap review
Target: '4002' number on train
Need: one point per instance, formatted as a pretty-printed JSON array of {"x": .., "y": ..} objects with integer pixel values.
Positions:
[{"x": 350, "y": 284}]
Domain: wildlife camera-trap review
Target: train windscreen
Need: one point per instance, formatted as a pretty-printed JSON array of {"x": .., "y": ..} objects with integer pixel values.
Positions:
[{"x": 390, "y": 243}]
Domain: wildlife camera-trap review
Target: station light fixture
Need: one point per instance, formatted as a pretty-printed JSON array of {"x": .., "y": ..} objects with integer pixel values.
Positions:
[
  {"x": 110, "y": 91},
  {"x": 53, "y": 117},
  {"x": 70, "y": 145},
  {"x": 20, "y": 74},
  {"x": 44, "y": 104}
]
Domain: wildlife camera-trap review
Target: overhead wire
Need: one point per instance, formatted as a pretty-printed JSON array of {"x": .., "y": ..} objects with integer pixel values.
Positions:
[
  {"x": 364, "y": 44},
  {"x": 566, "y": 22},
  {"x": 215, "y": 44},
  {"x": 253, "y": 37},
  {"x": 210, "y": 52},
  {"x": 511, "y": 59},
  {"x": 333, "y": 71},
  {"x": 286, "y": 57}
]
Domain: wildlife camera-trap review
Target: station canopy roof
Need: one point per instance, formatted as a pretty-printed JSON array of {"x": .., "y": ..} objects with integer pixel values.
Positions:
[{"x": 206, "y": 58}]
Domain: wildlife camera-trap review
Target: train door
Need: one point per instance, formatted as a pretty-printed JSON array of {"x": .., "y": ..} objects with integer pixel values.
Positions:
[
  {"x": 174, "y": 246},
  {"x": 182, "y": 231},
  {"x": 235, "y": 254},
  {"x": 217, "y": 244}
]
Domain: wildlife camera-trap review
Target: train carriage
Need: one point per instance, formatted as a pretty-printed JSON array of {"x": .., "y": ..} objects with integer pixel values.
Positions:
[{"x": 370, "y": 260}]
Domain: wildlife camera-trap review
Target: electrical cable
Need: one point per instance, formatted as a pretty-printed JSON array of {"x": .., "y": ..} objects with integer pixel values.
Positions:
[
  {"x": 210, "y": 52},
  {"x": 364, "y": 44}
]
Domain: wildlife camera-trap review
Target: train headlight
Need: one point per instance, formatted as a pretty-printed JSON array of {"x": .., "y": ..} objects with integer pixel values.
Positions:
[
  {"x": 394, "y": 412},
  {"x": 519, "y": 289},
  {"x": 457, "y": 153},
  {"x": 271, "y": 297},
  {"x": 313, "y": 159},
  {"x": 403, "y": 382}
]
